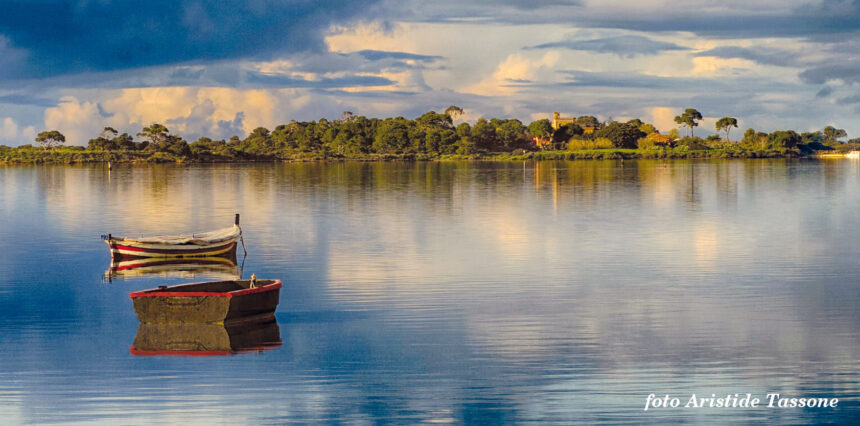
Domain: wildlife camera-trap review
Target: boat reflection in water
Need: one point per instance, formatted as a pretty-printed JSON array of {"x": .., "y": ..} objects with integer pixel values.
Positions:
[
  {"x": 205, "y": 339},
  {"x": 217, "y": 267}
]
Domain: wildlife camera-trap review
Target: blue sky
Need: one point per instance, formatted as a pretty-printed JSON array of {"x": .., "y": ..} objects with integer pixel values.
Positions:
[{"x": 223, "y": 68}]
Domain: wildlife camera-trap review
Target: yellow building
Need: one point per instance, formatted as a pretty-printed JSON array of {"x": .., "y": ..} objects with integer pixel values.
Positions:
[{"x": 559, "y": 121}]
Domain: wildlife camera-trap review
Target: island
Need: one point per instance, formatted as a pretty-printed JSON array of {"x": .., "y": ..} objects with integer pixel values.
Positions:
[{"x": 434, "y": 136}]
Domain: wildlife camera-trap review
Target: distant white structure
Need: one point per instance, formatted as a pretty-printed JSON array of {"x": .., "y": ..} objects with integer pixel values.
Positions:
[{"x": 854, "y": 155}]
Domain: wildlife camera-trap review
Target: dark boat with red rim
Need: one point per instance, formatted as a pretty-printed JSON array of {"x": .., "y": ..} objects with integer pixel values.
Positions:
[
  {"x": 218, "y": 302},
  {"x": 205, "y": 339}
]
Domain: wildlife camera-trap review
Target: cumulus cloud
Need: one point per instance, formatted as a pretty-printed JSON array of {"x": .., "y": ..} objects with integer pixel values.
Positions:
[
  {"x": 9, "y": 129},
  {"x": 78, "y": 121},
  {"x": 191, "y": 112},
  {"x": 12, "y": 133},
  {"x": 515, "y": 69},
  {"x": 663, "y": 118},
  {"x": 195, "y": 109}
]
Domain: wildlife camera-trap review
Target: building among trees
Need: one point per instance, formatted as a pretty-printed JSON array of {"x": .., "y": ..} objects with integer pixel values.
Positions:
[{"x": 558, "y": 120}]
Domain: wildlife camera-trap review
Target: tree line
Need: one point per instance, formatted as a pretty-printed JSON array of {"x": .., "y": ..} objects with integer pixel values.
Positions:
[{"x": 435, "y": 135}]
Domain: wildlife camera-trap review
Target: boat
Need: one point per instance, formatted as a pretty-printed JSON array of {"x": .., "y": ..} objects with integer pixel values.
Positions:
[
  {"x": 205, "y": 339},
  {"x": 220, "y": 242},
  {"x": 217, "y": 302},
  {"x": 217, "y": 267},
  {"x": 854, "y": 155}
]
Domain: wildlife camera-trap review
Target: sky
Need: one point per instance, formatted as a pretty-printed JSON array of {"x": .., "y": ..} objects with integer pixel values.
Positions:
[{"x": 218, "y": 69}]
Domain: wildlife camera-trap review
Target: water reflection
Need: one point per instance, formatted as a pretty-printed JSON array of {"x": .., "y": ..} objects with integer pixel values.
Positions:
[
  {"x": 464, "y": 292},
  {"x": 221, "y": 268},
  {"x": 205, "y": 339}
]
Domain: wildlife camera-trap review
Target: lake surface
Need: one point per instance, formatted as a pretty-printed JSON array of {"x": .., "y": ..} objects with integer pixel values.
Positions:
[{"x": 446, "y": 292}]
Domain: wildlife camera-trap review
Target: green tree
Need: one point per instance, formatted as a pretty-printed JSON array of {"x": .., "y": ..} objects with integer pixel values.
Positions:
[
  {"x": 688, "y": 119},
  {"x": 832, "y": 134},
  {"x": 464, "y": 130},
  {"x": 587, "y": 121},
  {"x": 673, "y": 134},
  {"x": 392, "y": 136},
  {"x": 484, "y": 135},
  {"x": 784, "y": 139},
  {"x": 155, "y": 133},
  {"x": 50, "y": 139},
  {"x": 725, "y": 124},
  {"x": 432, "y": 119},
  {"x": 454, "y": 112},
  {"x": 635, "y": 122},
  {"x": 259, "y": 142},
  {"x": 511, "y": 134},
  {"x": 622, "y": 135},
  {"x": 541, "y": 129},
  {"x": 562, "y": 135},
  {"x": 109, "y": 133},
  {"x": 647, "y": 128},
  {"x": 125, "y": 141}
]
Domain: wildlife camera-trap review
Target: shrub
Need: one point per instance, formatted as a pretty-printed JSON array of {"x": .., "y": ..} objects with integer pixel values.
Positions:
[
  {"x": 645, "y": 143},
  {"x": 161, "y": 157},
  {"x": 692, "y": 144},
  {"x": 575, "y": 144}
]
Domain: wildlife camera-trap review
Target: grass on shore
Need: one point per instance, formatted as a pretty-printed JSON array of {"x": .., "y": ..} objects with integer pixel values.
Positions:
[{"x": 78, "y": 155}]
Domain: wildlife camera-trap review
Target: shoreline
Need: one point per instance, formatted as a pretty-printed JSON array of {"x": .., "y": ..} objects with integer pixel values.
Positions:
[{"x": 73, "y": 156}]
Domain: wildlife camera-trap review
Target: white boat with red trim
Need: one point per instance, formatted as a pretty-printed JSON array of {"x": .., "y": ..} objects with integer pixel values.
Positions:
[{"x": 220, "y": 242}]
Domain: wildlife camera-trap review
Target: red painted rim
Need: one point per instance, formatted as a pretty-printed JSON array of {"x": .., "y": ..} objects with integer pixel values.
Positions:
[
  {"x": 155, "y": 292},
  {"x": 172, "y": 251}
]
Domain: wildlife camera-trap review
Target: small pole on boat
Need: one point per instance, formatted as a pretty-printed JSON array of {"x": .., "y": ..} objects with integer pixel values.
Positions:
[{"x": 241, "y": 238}]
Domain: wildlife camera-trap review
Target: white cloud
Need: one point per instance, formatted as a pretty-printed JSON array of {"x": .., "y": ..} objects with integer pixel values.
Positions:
[
  {"x": 484, "y": 66},
  {"x": 514, "y": 68},
  {"x": 78, "y": 121},
  {"x": 711, "y": 66},
  {"x": 9, "y": 129},
  {"x": 663, "y": 118},
  {"x": 12, "y": 133}
]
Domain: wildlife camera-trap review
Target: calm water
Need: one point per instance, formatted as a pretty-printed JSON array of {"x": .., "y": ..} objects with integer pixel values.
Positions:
[{"x": 446, "y": 292}]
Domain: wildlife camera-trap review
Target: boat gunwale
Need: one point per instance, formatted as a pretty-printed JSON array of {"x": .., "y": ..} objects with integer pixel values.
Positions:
[
  {"x": 157, "y": 292},
  {"x": 188, "y": 352},
  {"x": 193, "y": 239}
]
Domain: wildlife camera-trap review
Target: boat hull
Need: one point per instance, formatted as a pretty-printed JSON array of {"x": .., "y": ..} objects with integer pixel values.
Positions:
[
  {"x": 223, "y": 302},
  {"x": 123, "y": 249}
]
